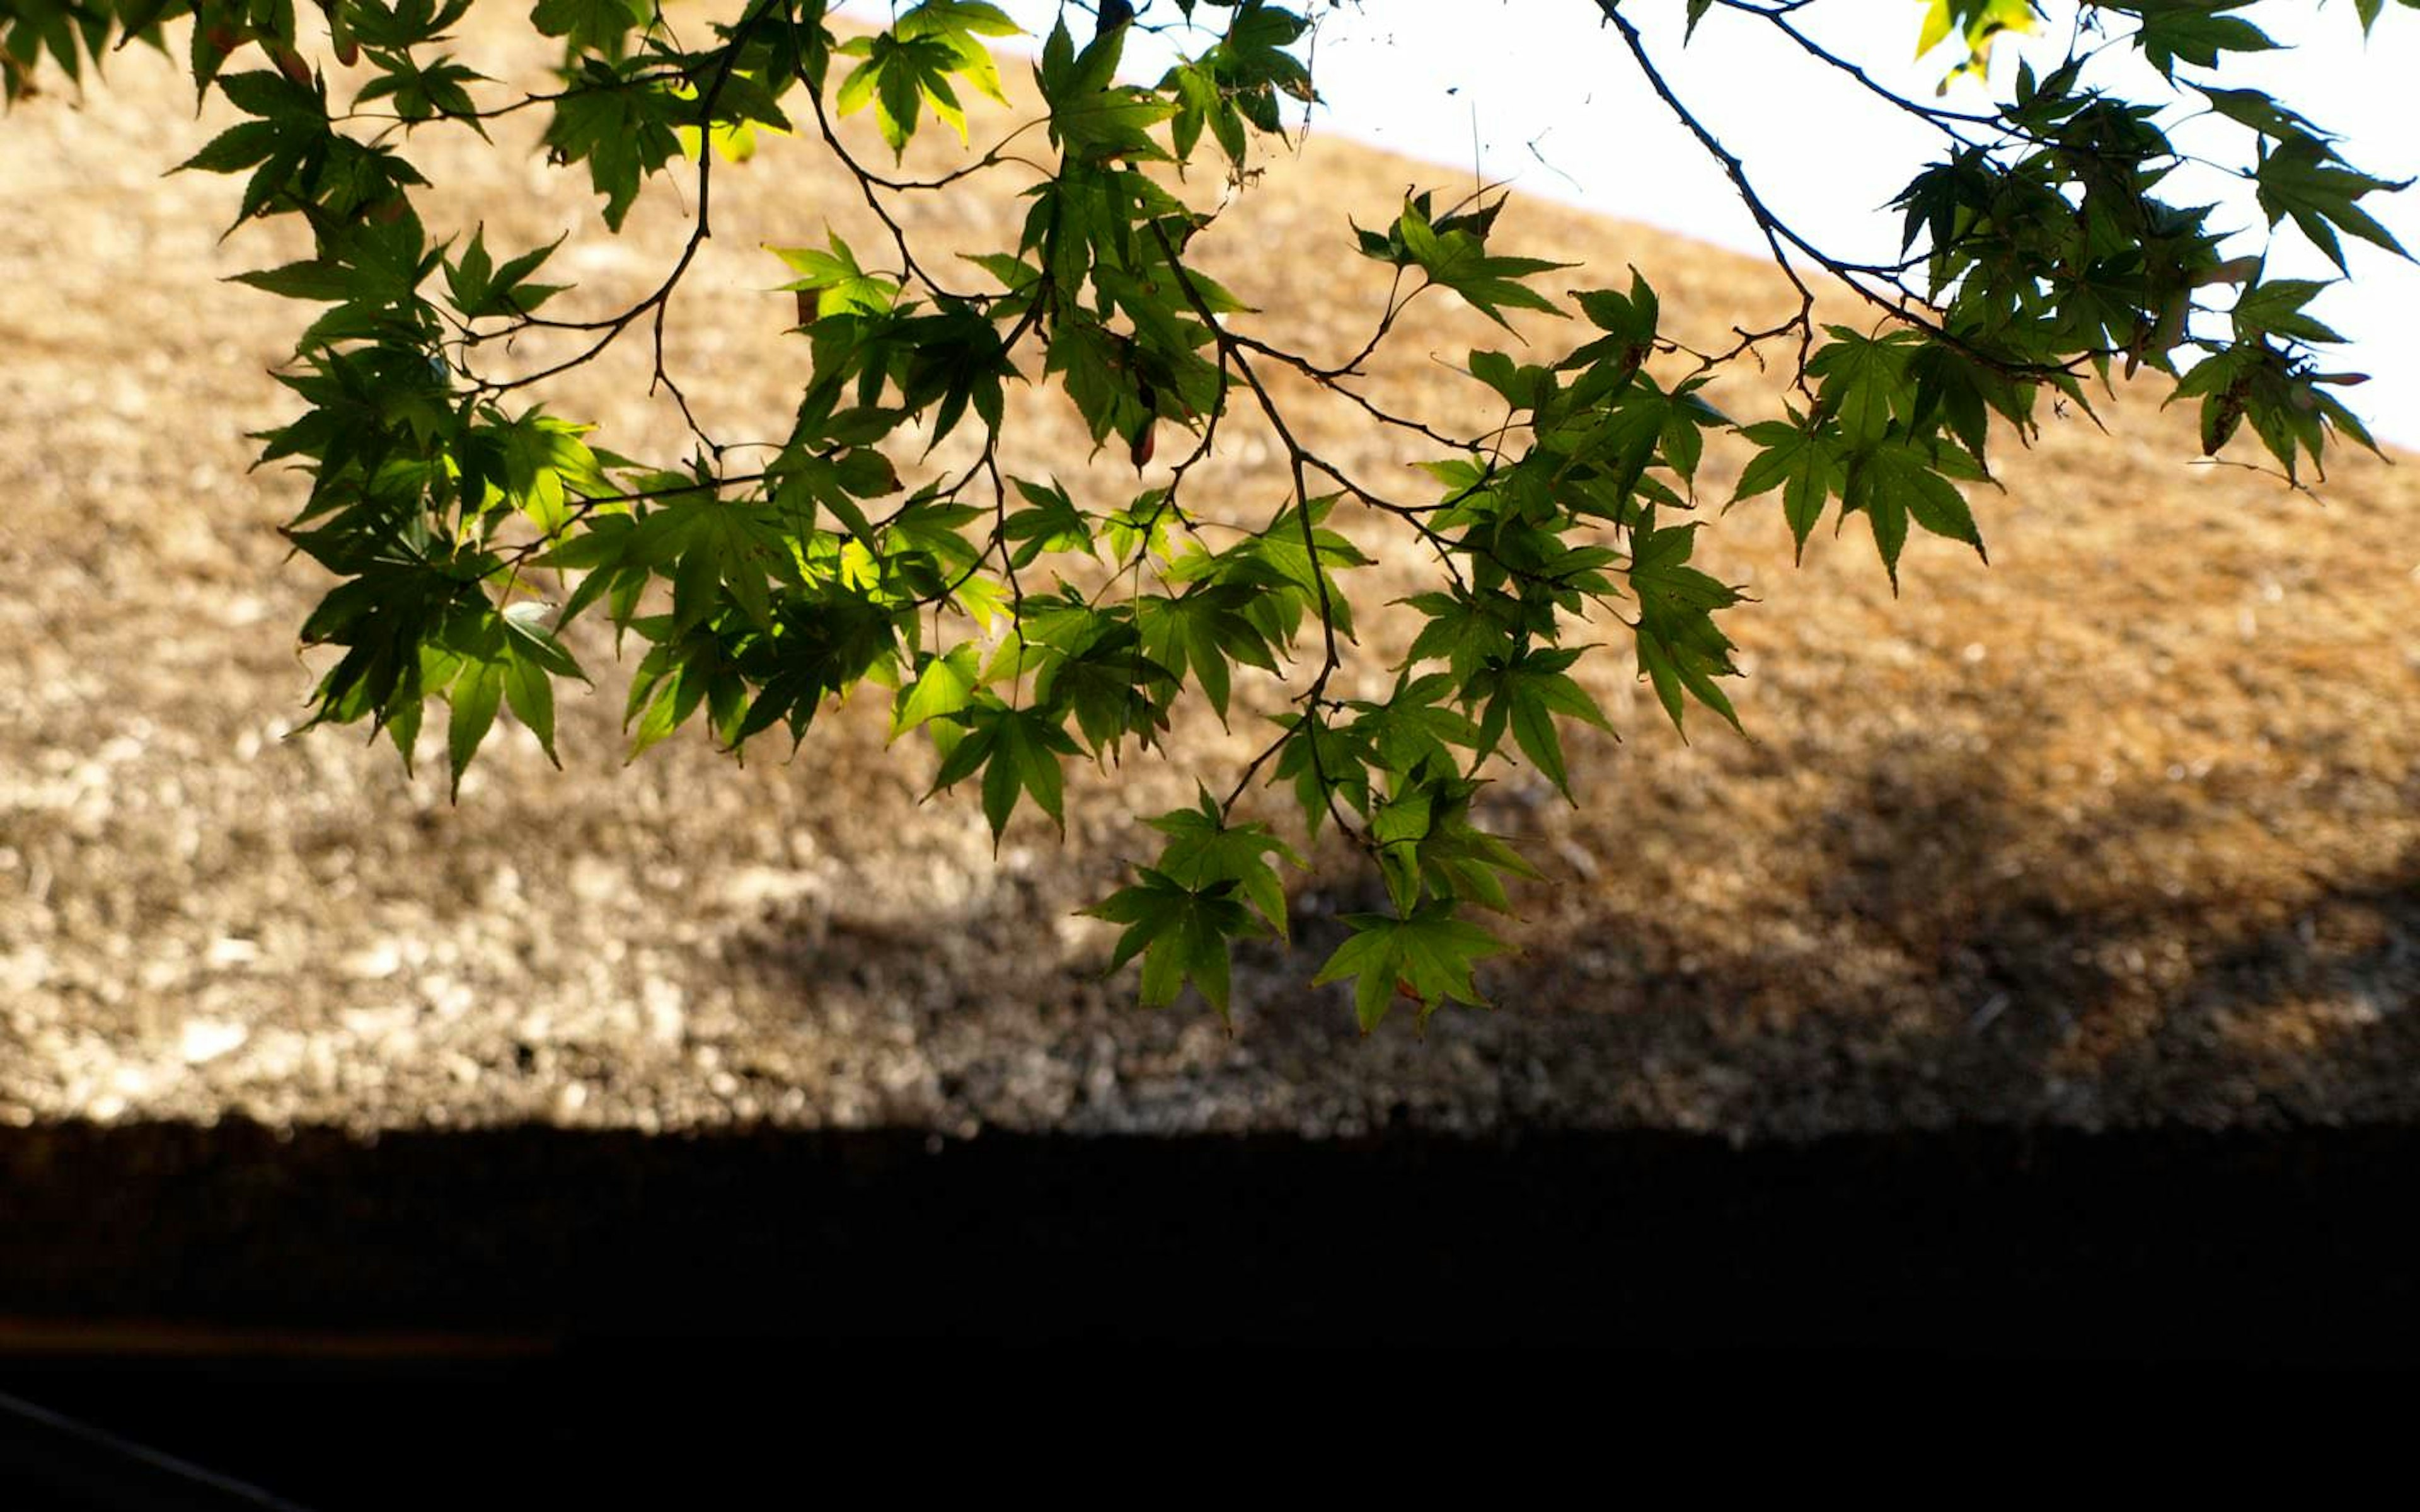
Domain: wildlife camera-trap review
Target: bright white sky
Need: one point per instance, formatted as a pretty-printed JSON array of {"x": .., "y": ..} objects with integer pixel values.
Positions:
[{"x": 1542, "y": 93}]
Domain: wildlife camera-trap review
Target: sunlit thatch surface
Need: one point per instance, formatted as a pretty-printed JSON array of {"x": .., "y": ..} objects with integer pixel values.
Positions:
[{"x": 2124, "y": 827}]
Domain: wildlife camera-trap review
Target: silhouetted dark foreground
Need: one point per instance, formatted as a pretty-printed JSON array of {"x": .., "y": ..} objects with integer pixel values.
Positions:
[
  {"x": 294, "y": 1307},
  {"x": 2279, "y": 1245}
]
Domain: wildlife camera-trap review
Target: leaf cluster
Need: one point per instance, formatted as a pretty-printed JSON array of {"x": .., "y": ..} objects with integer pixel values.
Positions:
[{"x": 1022, "y": 625}]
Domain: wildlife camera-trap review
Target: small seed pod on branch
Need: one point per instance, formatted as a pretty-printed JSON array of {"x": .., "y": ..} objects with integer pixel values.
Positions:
[
  {"x": 1146, "y": 436},
  {"x": 885, "y": 478},
  {"x": 290, "y": 63},
  {"x": 340, "y": 34}
]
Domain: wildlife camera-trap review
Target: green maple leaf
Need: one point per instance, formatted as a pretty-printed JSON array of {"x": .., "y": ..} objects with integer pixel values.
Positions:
[
  {"x": 289, "y": 133},
  {"x": 1680, "y": 649},
  {"x": 624, "y": 130},
  {"x": 1897, "y": 482},
  {"x": 1865, "y": 380},
  {"x": 907, "y": 69},
  {"x": 2197, "y": 36},
  {"x": 1803, "y": 462},
  {"x": 544, "y": 463},
  {"x": 1205, "y": 849},
  {"x": 473, "y": 700},
  {"x": 1205, "y": 627},
  {"x": 1458, "y": 259},
  {"x": 724, "y": 546},
  {"x": 1428, "y": 957},
  {"x": 2303, "y": 177},
  {"x": 1976, "y": 25},
  {"x": 1181, "y": 932},
  {"x": 599, "y": 26},
  {"x": 839, "y": 285},
  {"x": 943, "y": 685},
  {"x": 1464, "y": 630},
  {"x": 1018, "y": 751},
  {"x": 901, "y": 76},
  {"x": 483, "y": 660},
  {"x": 2252, "y": 108},
  {"x": 1093, "y": 119},
  {"x": 2276, "y": 308},
  {"x": 1321, "y": 759},
  {"x": 424, "y": 92},
  {"x": 479, "y": 287},
  {"x": 1416, "y": 722},
  {"x": 1426, "y": 842},
  {"x": 1525, "y": 695},
  {"x": 1050, "y": 522}
]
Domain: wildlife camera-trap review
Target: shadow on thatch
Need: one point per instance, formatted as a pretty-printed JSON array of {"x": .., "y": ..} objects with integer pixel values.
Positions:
[{"x": 1937, "y": 946}]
